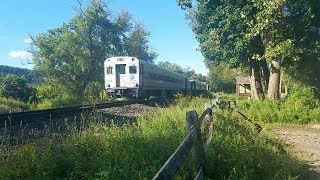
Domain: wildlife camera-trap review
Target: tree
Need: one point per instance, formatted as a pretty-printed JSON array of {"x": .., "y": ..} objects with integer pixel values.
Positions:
[
  {"x": 15, "y": 87},
  {"x": 183, "y": 71},
  {"x": 221, "y": 78},
  {"x": 252, "y": 33},
  {"x": 72, "y": 56},
  {"x": 172, "y": 67}
]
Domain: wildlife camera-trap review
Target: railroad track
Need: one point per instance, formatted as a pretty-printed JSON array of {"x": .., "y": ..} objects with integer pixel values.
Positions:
[{"x": 28, "y": 116}]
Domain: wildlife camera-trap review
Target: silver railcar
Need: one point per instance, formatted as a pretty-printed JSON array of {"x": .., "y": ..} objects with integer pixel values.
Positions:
[{"x": 130, "y": 77}]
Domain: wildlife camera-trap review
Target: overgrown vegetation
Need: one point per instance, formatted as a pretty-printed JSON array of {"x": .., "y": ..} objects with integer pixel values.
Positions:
[
  {"x": 300, "y": 107},
  {"x": 138, "y": 151},
  {"x": 12, "y": 105},
  {"x": 16, "y": 87}
]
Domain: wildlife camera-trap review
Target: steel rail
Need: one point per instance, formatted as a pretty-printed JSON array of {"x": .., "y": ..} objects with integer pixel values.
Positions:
[{"x": 18, "y": 117}]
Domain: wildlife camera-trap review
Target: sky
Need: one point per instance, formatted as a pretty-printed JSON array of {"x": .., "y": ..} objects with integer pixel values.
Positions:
[{"x": 170, "y": 35}]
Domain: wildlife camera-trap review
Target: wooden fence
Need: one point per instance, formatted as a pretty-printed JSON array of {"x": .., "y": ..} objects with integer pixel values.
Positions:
[{"x": 192, "y": 142}]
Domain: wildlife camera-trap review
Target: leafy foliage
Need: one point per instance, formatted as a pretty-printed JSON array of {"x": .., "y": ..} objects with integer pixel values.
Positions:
[
  {"x": 221, "y": 78},
  {"x": 184, "y": 71},
  {"x": 13, "y": 105},
  {"x": 239, "y": 32},
  {"x": 306, "y": 72},
  {"x": 93, "y": 94},
  {"x": 72, "y": 56},
  {"x": 16, "y": 87},
  {"x": 301, "y": 107},
  {"x": 31, "y": 77}
]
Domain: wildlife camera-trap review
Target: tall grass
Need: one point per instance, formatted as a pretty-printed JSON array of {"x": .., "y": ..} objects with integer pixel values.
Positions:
[
  {"x": 300, "y": 107},
  {"x": 108, "y": 151},
  {"x": 238, "y": 151}
]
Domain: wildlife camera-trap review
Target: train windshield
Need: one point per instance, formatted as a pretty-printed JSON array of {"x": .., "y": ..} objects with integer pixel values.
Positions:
[
  {"x": 132, "y": 69},
  {"x": 121, "y": 68}
]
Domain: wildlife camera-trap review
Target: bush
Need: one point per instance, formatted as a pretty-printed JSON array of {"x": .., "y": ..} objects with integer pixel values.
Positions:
[
  {"x": 12, "y": 105},
  {"x": 301, "y": 107},
  {"x": 16, "y": 87},
  {"x": 51, "y": 97},
  {"x": 94, "y": 94},
  {"x": 263, "y": 110}
]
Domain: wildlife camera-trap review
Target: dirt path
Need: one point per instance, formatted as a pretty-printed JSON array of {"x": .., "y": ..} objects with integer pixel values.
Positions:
[{"x": 305, "y": 142}]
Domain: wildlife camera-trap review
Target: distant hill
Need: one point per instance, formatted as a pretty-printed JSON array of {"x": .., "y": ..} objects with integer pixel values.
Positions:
[{"x": 31, "y": 76}]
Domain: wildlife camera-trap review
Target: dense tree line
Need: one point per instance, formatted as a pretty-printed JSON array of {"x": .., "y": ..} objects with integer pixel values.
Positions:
[
  {"x": 31, "y": 77},
  {"x": 266, "y": 37},
  {"x": 183, "y": 71},
  {"x": 16, "y": 87}
]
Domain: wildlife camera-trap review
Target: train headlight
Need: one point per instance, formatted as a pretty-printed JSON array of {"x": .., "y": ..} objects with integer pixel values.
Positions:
[
  {"x": 108, "y": 85},
  {"x": 137, "y": 85}
]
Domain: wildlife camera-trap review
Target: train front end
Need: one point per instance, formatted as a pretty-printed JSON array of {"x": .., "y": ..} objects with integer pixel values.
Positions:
[{"x": 122, "y": 76}]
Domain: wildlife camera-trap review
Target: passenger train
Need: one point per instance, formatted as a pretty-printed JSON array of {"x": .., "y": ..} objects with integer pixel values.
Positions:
[{"x": 133, "y": 78}]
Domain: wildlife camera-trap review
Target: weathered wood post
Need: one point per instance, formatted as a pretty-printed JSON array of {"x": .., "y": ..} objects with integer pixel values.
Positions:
[
  {"x": 197, "y": 150},
  {"x": 216, "y": 101},
  {"x": 209, "y": 126},
  {"x": 208, "y": 117}
]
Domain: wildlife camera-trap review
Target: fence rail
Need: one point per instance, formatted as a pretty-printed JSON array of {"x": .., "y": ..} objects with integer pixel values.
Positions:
[{"x": 192, "y": 142}]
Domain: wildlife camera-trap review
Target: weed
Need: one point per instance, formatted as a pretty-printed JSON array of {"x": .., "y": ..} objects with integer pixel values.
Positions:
[{"x": 301, "y": 107}]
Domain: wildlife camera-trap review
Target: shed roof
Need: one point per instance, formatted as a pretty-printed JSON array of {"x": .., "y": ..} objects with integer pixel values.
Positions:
[{"x": 242, "y": 80}]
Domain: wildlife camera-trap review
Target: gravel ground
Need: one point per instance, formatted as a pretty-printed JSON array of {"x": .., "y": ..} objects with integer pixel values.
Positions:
[
  {"x": 305, "y": 142},
  {"x": 132, "y": 110}
]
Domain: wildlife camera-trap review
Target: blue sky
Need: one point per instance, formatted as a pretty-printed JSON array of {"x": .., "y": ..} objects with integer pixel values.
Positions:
[{"x": 170, "y": 34}]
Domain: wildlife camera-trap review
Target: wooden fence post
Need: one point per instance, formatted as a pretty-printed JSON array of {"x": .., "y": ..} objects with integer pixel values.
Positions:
[
  {"x": 208, "y": 117},
  {"x": 197, "y": 150},
  {"x": 209, "y": 126},
  {"x": 216, "y": 101}
]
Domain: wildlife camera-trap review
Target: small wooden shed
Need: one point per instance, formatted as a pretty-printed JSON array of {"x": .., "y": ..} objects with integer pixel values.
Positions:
[{"x": 243, "y": 86}]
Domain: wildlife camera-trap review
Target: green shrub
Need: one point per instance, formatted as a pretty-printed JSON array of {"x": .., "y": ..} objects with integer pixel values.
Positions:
[
  {"x": 263, "y": 110},
  {"x": 93, "y": 93},
  {"x": 16, "y": 87},
  {"x": 301, "y": 107},
  {"x": 13, "y": 105}
]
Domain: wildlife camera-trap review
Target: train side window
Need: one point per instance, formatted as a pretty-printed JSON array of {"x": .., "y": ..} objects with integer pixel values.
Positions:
[
  {"x": 109, "y": 70},
  {"x": 132, "y": 69}
]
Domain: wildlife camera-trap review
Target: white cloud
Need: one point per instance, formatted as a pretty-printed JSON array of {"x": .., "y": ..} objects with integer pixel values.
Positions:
[
  {"x": 28, "y": 41},
  {"x": 21, "y": 54}
]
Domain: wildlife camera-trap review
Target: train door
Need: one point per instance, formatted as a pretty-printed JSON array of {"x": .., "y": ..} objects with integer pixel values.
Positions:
[{"x": 121, "y": 75}]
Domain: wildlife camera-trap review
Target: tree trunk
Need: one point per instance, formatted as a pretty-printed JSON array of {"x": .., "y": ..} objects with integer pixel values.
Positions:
[
  {"x": 264, "y": 75},
  {"x": 254, "y": 79},
  {"x": 274, "y": 80}
]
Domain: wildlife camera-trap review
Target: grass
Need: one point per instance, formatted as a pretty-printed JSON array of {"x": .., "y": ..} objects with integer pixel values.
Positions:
[
  {"x": 300, "y": 107},
  {"x": 107, "y": 151}
]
